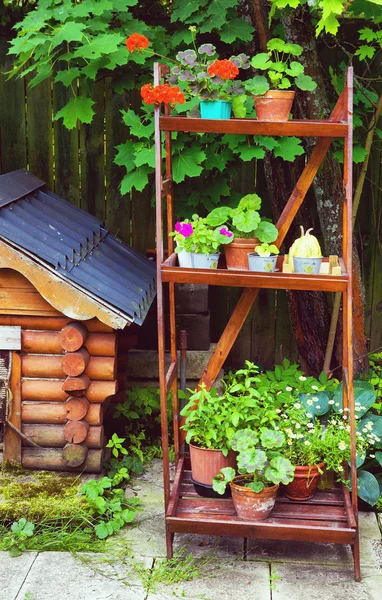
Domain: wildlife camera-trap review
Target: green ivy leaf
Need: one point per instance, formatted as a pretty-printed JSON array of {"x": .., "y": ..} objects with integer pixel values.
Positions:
[
  {"x": 125, "y": 155},
  {"x": 365, "y": 52},
  {"x": 367, "y": 35},
  {"x": 70, "y": 31},
  {"x": 247, "y": 152},
  {"x": 236, "y": 29},
  {"x": 188, "y": 164},
  {"x": 288, "y": 148},
  {"x": 99, "y": 45},
  {"x": 78, "y": 109},
  {"x": 66, "y": 77},
  {"x": 137, "y": 128},
  {"x": 145, "y": 156},
  {"x": 137, "y": 179},
  {"x": 330, "y": 24},
  {"x": 183, "y": 10}
]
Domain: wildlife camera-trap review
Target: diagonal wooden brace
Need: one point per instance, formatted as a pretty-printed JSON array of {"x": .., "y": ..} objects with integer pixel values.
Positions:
[{"x": 249, "y": 295}]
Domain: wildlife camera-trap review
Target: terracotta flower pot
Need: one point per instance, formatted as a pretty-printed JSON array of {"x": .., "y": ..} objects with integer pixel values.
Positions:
[
  {"x": 304, "y": 483},
  {"x": 275, "y": 105},
  {"x": 206, "y": 463},
  {"x": 236, "y": 253},
  {"x": 249, "y": 505}
]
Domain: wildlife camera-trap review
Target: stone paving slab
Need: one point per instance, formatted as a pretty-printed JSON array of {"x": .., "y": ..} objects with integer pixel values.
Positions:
[
  {"x": 328, "y": 583},
  {"x": 13, "y": 572},
  {"x": 234, "y": 580},
  {"x": 59, "y": 576}
]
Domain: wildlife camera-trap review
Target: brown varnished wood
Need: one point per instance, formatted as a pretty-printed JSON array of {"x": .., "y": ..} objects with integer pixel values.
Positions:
[
  {"x": 330, "y": 516},
  {"x": 60, "y": 412},
  {"x": 254, "y": 127},
  {"x": 50, "y": 323}
]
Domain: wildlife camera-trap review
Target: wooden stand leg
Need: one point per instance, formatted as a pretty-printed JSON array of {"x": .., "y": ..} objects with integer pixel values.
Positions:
[
  {"x": 169, "y": 543},
  {"x": 356, "y": 558}
]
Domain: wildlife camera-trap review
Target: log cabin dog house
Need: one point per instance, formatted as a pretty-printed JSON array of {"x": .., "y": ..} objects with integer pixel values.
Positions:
[{"x": 67, "y": 286}]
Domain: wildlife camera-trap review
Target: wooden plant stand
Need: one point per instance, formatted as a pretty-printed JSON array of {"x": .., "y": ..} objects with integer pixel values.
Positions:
[{"x": 331, "y": 516}]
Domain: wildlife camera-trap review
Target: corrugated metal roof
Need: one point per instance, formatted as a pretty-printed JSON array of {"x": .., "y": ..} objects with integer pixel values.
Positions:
[{"x": 76, "y": 245}]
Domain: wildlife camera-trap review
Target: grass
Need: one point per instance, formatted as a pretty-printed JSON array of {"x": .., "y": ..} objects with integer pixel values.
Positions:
[{"x": 62, "y": 518}]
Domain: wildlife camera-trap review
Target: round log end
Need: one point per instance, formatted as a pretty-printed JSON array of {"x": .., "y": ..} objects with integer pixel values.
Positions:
[
  {"x": 75, "y": 363},
  {"x": 73, "y": 336},
  {"x": 74, "y": 454},
  {"x": 75, "y": 432},
  {"x": 76, "y": 384},
  {"x": 76, "y": 408}
]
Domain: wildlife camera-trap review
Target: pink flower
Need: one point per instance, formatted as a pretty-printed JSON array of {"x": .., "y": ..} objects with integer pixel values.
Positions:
[
  {"x": 224, "y": 231},
  {"x": 185, "y": 229}
]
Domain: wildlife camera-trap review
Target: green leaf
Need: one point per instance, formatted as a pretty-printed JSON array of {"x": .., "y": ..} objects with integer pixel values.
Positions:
[
  {"x": 78, "y": 109},
  {"x": 368, "y": 487},
  {"x": 145, "y": 156},
  {"x": 261, "y": 61},
  {"x": 330, "y": 7},
  {"x": 246, "y": 221},
  {"x": 238, "y": 106},
  {"x": 137, "y": 179},
  {"x": 102, "y": 531},
  {"x": 365, "y": 52},
  {"x": 367, "y": 35},
  {"x": 378, "y": 457},
  {"x": 219, "y": 485},
  {"x": 236, "y": 29},
  {"x": 248, "y": 152},
  {"x": 183, "y": 10},
  {"x": 188, "y": 164},
  {"x": 295, "y": 69},
  {"x": 305, "y": 82},
  {"x": 218, "y": 216},
  {"x": 137, "y": 128},
  {"x": 266, "y": 232},
  {"x": 99, "y": 45},
  {"x": 288, "y": 148},
  {"x": 330, "y": 24},
  {"x": 125, "y": 155},
  {"x": 257, "y": 86},
  {"x": 71, "y": 31},
  {"x": 66, "y": 77},
  {"x": 280, "y": 470},
  {"x": 255, "y": 486}
]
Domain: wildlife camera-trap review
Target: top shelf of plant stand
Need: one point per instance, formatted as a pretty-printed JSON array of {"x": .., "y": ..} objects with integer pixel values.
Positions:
[{"x": 328, "y": 129}]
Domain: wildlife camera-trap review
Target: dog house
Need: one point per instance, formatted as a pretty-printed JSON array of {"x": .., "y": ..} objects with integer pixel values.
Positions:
[{"x": 68, "y": 287}]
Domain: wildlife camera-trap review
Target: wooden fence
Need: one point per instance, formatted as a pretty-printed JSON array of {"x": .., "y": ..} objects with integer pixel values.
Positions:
[{"x": 78, "y": 165}]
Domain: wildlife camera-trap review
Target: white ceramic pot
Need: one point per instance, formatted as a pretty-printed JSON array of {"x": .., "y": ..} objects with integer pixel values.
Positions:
[
  {"x": 262, "y": 264},
  {"x": 184, "y": 259},
  {"x": 308, "y": 266},
  {"x": 204, "y": 261}
]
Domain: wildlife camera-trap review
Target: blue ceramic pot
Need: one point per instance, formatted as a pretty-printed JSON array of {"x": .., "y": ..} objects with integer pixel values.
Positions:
[{"x": 215, "y": 109}]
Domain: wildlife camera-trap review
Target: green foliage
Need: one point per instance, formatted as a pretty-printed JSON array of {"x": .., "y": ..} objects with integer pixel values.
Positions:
[
  {"x": 14, "y": 541},
  {"x": 280, "y": 68},
  {"x": 109, "y": 505},
  {"x": 266, "y": 249},
  {"x": 115, "y": 443}
]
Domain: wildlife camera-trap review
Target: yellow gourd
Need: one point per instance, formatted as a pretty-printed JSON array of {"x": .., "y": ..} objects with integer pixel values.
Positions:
[{"x": 306, "y": 246}]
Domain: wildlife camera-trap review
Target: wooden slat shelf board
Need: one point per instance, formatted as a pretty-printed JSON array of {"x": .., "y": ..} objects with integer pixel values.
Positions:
[
  {"x": 325, "y": 515},
  {"x": 328, "y": 129},
  {"x": 171, "y": 272}
]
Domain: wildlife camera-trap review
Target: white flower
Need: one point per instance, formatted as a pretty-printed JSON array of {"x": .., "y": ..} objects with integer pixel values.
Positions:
[
  {"x": 314, "y": 387},
  {"x": 331, "y": 401},
  {"x": 306, "y": 443},
  {"x": 340, "y": 468},
  {"x": 299, "y": 436},
  {"x": 372, "y": 455},
  {"x": 364, "y": 429},
  {"x": 278, "y": 393},
  {"x": 297, "y": 405},
  {"x": 309, "y": 425},
  {"x": 288, "y": 388},
  {"x": 310, "y": 402},
  {"x": 340, "y": 409},
  {"x": 289, "y": 442},
  {"x": 342, "y": 446},
  {"x": 278, "y": 410},
  {"x": 298, "y": 426},
  {"x": 302, "y": 378},
  {"x": 318, "y": 406},
  {"x": 315, "y": 399}
]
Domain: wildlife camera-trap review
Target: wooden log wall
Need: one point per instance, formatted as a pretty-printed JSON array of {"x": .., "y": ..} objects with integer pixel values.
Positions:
[{"x": 68, "y": 373}]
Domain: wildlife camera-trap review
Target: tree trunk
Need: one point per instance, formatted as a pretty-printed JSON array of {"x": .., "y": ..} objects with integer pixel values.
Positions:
[{"x": 311, "y": 327}]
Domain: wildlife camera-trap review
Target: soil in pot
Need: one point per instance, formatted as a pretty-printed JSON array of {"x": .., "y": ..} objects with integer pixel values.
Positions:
[
  {"x": 304, "y": 483},
  {"x": 249, "y": 505},
  {"x": 205, "y": 464},
  {"x": 275, "y": 105},
  {"x": 236, "y": 253}
]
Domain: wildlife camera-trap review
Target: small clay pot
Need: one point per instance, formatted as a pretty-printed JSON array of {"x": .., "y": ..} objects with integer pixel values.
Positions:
[
  {"x": 304, "y": 483},
  {"x": 206, "y": 463},
  {"x": 274, "y": 105},
  {"x": 236, "y": 253},
  {"x": 250, "y": 505}
]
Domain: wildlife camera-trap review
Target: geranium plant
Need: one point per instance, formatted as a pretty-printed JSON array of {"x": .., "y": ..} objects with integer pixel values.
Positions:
[
  {"x": 244, "y": 220},
  {"x": 198, "y": 237},
  {"x": 259, "y": 457},
  {"x": 282, "y": 71},
  {"x": 265, "y": 249}
]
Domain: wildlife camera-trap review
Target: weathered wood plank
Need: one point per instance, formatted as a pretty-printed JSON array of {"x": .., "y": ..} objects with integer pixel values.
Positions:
[{"x": 39, "y": 131}]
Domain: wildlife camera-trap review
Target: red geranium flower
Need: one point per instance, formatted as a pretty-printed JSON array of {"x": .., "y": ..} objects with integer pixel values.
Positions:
[
  {"x": 136, "y": 40},
  {"x": 224, "y": 69},
  {"x": 161, "y": 93}
]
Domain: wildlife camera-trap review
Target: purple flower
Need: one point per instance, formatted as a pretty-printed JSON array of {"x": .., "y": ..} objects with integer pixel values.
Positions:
[
  {"x": 185, "y": 229},
  {"x": 224, "y": 231}
]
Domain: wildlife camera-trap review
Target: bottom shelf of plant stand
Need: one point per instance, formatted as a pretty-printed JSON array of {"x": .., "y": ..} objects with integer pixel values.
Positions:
[{"x": 327, "y": 517}]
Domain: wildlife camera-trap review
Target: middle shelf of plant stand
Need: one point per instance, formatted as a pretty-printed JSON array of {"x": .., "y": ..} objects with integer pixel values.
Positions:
[
  {"x": 171, "y": 272},
  {"x": 329, "y": 514}
]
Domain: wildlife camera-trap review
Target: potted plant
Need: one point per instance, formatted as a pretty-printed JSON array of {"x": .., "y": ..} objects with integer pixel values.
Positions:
[
  {"x": 248, "y": 229},
  {"x": 272, "y": 97},
  {"x": 200, "y": 241},
  {"x": 202, "y": 74},
  {"x": 264, "y": 258},
  {"x": 261, "y": 470},
  {"x": 209, "y": 426},
  {"x": 305, "y": 254}
]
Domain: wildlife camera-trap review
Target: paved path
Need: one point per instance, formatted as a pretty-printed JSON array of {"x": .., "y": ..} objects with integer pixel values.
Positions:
[{"x": 133, "y": 567}]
